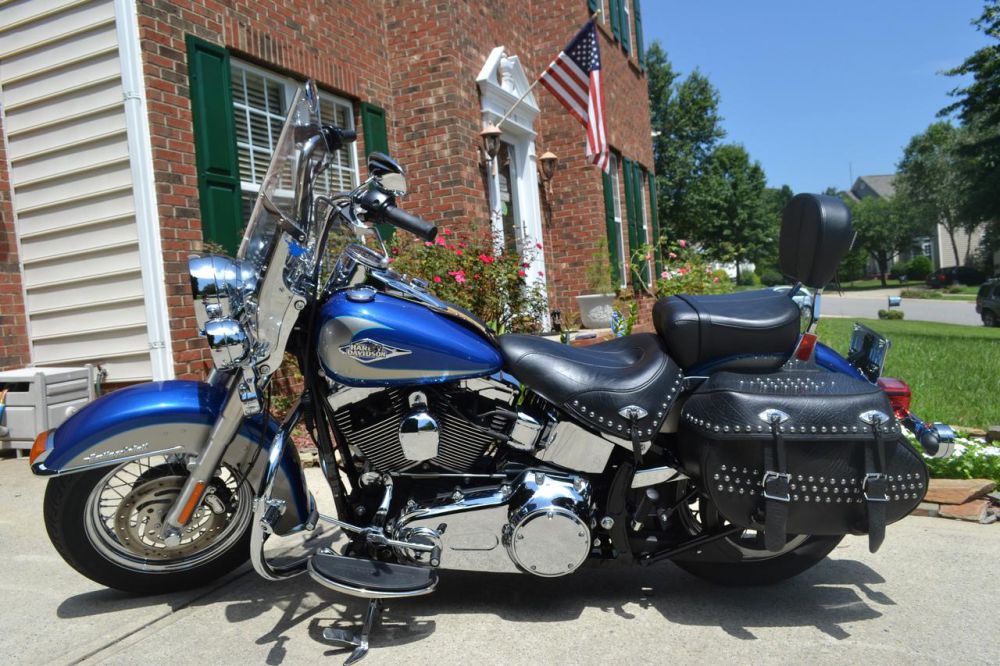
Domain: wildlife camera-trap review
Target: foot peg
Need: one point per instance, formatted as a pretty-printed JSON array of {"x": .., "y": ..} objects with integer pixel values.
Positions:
[
  {"x": 359, "y": 641},
  {"x": 370, "y": 579}
]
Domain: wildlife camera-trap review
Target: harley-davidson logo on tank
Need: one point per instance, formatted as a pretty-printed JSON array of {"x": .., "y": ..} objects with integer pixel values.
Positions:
[{"x": 370, "y": 351}]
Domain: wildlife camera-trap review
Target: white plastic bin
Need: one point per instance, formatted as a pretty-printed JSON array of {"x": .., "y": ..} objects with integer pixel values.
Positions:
[{"x": 40, "y": 399}]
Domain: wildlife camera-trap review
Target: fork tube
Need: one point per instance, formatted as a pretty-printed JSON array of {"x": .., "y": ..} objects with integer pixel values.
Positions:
[{"x": 203, "y": 469}]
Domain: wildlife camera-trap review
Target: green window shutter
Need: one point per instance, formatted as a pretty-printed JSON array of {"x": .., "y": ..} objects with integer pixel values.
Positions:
[
  {"x": 655, "y": 223},
  {"x": 376, "y": 139},
  {"x": 615, "y": 9},
  {"x": 215, "y": 143},
  {"x": 631, "y": 215},
  {"x": 613, "y": 238},
  {"x": 623, "y": 21},
  {"x": 640, "y": 51},
  {"x": 593, "y": 5}
]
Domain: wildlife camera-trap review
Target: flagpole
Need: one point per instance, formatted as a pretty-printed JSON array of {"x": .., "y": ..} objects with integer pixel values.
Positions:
[{"x": 535, "y": 83}]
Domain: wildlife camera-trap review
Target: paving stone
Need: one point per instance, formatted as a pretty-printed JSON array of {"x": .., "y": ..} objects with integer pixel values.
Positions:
[
  {"x": 993, "y": 434},
  {"x": 928, "y": 509},
  {"x": 957, "y": 491},
  {"x": 976, "y": 511}
]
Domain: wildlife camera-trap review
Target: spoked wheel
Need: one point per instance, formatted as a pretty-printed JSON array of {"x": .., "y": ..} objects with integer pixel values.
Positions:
[
  {"x": 752, "y": 563},
  {"x": 106, "y": 524}
]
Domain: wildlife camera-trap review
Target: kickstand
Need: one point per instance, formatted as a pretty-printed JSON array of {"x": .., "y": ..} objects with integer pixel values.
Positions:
[{"x": 359, "y": 641}]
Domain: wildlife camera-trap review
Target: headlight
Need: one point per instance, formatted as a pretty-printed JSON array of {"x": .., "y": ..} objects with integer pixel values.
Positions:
[
  {"x": 221, "y": 286},
  {"x": 228, "y": 341}
]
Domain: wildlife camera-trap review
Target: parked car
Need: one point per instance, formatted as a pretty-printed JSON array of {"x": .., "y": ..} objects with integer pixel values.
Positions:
[
  {"x": 803, "y": 298},
  {"x": 988, "y": 303},
  {"x": 945, "y": 277}
]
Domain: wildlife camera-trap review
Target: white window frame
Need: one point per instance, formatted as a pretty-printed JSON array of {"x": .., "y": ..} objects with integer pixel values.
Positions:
[
  {"x": 289, "y": 87},
  {"x": 619, "y": 221}
]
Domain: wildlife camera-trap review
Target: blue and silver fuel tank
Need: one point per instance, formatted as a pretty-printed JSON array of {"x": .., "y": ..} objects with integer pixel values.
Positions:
[{"x": 371, "y": 338}]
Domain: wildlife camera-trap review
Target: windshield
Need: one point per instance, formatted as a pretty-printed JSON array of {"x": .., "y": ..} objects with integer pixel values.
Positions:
[{"x": 280, "y": 189}]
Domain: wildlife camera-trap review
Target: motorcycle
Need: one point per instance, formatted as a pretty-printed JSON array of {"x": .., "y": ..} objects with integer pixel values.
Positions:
[{"x": 729, "y": 442}]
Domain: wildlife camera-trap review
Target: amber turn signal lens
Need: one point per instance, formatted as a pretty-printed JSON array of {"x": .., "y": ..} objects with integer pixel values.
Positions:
[
  {"x": 38, "y": 448},
  {"x": 192, "y": 502}
]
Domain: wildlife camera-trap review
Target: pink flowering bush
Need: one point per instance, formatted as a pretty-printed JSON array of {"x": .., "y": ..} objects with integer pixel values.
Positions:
[
  {"x": 685, "y": 271},
  {"x": 466, "y": 269}
]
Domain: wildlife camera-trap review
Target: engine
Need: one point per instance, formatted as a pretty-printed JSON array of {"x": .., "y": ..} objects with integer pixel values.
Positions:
[{"x": 434, "y": 428}]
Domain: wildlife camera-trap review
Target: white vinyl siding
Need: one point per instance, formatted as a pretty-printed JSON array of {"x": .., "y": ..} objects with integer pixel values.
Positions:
[
  {"x": 67, "y": 146},
  {"x": 260, "y": 104}
]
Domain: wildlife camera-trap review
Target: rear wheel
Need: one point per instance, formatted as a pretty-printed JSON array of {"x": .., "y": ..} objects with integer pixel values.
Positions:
[
  {"x": 989, "y": 319},
  {"x": 752, "y": 563},
  {"x": 106, "y": 524}
]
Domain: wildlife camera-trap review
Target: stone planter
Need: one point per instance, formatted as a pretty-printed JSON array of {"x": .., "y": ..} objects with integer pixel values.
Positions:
[{"x": 595, "y": 310}]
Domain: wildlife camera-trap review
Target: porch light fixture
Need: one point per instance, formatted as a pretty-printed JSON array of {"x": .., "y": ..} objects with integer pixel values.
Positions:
[
  {"x": 548, "y": 161},
  {"x": 490, "y": 136}
]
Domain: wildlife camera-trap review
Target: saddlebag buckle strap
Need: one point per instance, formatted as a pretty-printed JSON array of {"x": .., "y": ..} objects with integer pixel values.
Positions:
[
  {"x": 777, "y": 482},
  {"x": 874, "y": 487},
  {"x": 776, "y": 486}
]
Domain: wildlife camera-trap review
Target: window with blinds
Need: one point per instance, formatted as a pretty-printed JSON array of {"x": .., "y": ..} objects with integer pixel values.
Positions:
[{"x": 260, "y": 104}]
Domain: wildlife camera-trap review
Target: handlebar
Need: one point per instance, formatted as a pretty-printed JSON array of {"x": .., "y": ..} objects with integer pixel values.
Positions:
[{"x": 381, "y": 206}]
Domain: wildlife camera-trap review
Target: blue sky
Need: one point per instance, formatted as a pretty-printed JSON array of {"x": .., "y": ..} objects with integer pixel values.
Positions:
[{"x": 813, "y": 89}]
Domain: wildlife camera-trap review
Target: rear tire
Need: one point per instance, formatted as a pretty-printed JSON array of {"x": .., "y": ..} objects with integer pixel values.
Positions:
[
  {"x": 989, "y": 319},
  {"x": 767, "y": 571},
  {"x": 68, "y": 506},
  {"x": 758, "y": 565}
]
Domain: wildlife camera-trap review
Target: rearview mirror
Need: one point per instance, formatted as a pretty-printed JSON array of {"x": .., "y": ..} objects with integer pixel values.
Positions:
[{"x": 390, "y": 174}]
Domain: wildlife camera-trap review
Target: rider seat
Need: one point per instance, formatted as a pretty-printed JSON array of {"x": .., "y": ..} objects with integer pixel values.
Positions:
[{"x": 597, "y": 383}]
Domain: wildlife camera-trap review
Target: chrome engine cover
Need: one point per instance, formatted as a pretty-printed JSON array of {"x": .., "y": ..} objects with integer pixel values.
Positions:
[{"x": 541, "y": 519}]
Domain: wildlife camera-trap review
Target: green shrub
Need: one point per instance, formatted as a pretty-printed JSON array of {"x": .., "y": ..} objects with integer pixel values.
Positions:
[
  {"x": 890, "y": 314},
  {"x": 466, "y": 270},
  {"x": 897, "y": 270},
  {"x": 772, "y": 279},
  {"x": 919, "y": 268},
  {"x": 685, "y": 271},
  {"x": 748, "y": 279},
  {"x": 954, "y": 289},
  {"x": 920, "y": 293},
  {"x": 972, "y": 459}
]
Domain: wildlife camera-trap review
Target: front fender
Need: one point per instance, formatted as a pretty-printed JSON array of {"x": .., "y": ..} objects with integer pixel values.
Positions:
[{"x": 169, "y": 418}]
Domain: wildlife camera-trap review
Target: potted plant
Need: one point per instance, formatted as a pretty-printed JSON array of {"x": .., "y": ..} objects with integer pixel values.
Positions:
[{"x": 597, "y": 306}]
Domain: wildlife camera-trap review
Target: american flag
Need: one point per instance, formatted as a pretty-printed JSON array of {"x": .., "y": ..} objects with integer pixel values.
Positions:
[{"x": 574, "y": 77}]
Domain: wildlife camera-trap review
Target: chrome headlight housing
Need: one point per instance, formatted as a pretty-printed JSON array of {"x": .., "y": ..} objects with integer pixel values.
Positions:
[{"x": 223, "y": 291}]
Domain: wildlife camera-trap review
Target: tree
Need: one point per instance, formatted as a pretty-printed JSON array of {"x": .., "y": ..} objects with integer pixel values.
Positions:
[
  {"x": 978, "y": 107},
  {"x": 774, "y": 201},
  {"x": 686, "y": 127},
  {"x": 725, "y": 208},
  {"x": 884, "y": 227},
  {"x": 931, "y": 179}
]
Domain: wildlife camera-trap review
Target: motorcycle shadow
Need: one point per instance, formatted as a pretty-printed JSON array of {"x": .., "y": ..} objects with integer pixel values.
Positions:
[{"x": 835, "y": 593}]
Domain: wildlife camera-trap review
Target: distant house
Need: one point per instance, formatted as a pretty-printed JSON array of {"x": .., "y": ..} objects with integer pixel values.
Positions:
[{"x": 937, "y": 246}]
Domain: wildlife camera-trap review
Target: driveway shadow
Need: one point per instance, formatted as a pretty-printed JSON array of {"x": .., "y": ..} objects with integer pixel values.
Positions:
[{"x": 829, "y": 596}]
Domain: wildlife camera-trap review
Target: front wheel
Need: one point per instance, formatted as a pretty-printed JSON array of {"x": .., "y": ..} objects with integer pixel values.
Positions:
[
  {"x": 752, "y": 563},
  {"x": 106, "y": 524},
  {"x": 989, "y": 319}
]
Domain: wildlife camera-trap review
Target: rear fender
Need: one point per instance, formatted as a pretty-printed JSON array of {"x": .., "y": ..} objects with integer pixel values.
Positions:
[{"x": 170, "y": 418}]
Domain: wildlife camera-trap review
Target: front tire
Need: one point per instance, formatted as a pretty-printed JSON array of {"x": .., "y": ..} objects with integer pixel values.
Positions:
[
  {"x": 109, "y": 534},
  {"x": 989, "y": 319}
]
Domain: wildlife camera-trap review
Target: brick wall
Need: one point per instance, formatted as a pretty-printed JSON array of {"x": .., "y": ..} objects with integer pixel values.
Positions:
[
  {"x": 14, "y": 349},
  {"x": 418, "y": 59}
]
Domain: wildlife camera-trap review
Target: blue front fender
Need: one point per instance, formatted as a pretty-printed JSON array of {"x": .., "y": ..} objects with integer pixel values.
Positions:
[{"x": 167, "y": 418}]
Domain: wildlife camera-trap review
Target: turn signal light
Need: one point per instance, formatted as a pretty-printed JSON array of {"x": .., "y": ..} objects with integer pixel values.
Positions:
[
  {"x": 899, "y": 395},
  {"x": 38, "y": 448}
]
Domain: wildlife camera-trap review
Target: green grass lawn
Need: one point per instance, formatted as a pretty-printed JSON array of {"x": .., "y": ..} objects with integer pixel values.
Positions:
[{"x": 954, "y": 371}]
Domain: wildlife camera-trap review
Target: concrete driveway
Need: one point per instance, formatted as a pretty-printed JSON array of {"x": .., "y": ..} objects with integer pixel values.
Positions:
[{"x": 927, "y": 597}]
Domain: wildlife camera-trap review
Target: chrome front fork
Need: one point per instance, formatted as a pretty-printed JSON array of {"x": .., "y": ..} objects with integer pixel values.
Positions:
[{"x": 203, "y": 468}]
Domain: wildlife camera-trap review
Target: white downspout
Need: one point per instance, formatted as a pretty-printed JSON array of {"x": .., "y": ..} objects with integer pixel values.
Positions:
[{"x": 144, "y": 190}]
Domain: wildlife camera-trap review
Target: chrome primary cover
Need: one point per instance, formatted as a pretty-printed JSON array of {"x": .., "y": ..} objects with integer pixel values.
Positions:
[{"x": 548, "y": 532}]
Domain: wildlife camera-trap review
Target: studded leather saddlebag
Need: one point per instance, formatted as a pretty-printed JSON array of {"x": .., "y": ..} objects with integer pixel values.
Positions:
[{"x": 801, "y": 452}]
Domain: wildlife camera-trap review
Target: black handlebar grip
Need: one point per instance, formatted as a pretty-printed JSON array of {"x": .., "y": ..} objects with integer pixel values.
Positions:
[{"x": 415, "y": 225}]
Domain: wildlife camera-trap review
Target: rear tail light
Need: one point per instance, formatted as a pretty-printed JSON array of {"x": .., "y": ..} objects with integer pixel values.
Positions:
[{"x": 899, "y": 395}]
